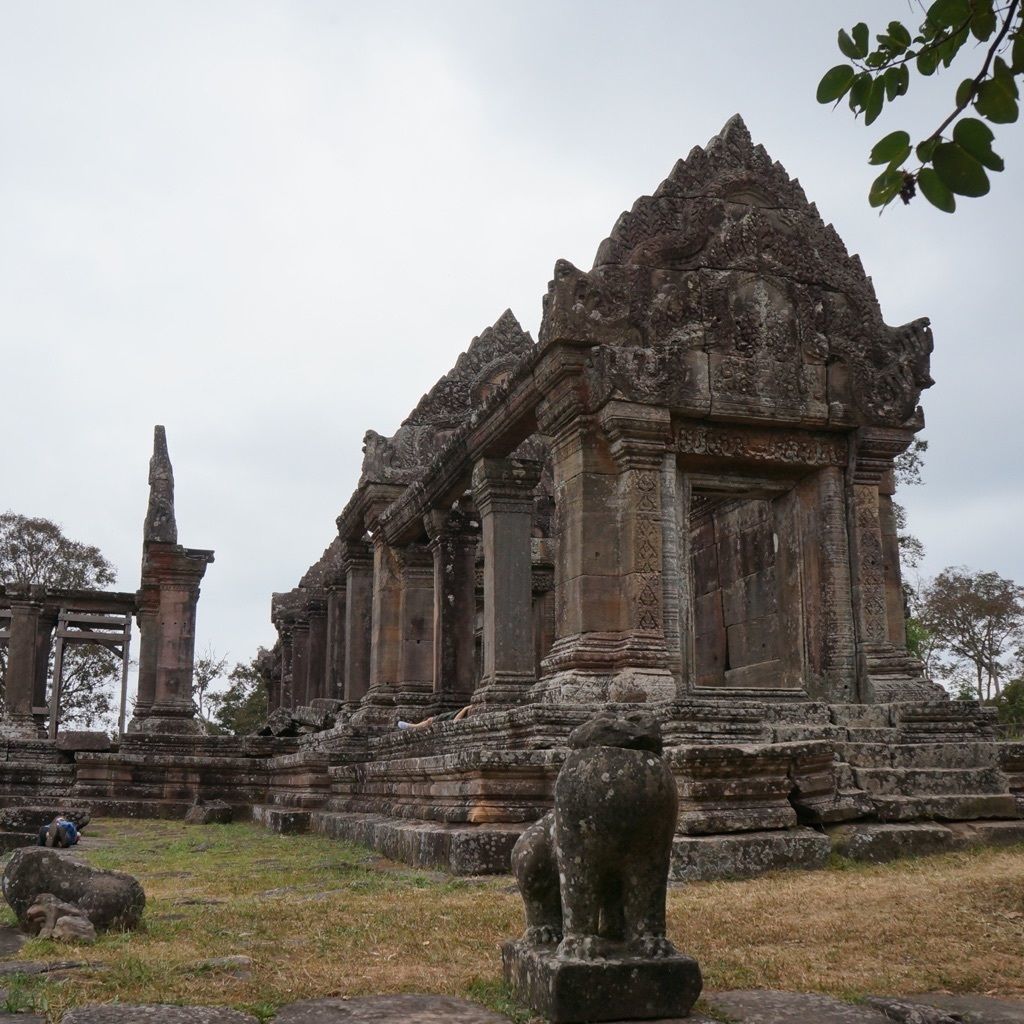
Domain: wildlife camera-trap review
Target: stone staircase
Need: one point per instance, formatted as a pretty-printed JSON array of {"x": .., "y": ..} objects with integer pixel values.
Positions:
[
  {"x": 34, "y": 771},
  {"x": 926, "y": 761}
]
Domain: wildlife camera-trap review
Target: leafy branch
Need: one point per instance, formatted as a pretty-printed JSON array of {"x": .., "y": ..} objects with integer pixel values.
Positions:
[{"x": 948, "y": 166}]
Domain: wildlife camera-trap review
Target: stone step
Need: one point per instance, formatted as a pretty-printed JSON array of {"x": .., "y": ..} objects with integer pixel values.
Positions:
[
  {"x": 930, "y": 781},
  {"x": 920, "y": 755},
  {"x": 797, "y": 732},
  {"x": 857, "y": 734},
  {"x": 947, "y": 807},
  {"x": 871, "y": 716}
]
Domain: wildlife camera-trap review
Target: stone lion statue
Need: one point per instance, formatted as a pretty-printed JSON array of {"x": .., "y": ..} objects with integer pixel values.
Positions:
[{"x": 593, "y": 872}]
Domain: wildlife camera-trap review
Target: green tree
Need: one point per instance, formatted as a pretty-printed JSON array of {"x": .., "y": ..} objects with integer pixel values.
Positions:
[
  {"x": 1010, "y": 707},
  {"x": 977, "y": 620},
  {"x": 955, "y": 158},
  {"x": 207, "y": 669},
  {"x": 34, "y": 550},
  {"x": 242, "y": 708}
]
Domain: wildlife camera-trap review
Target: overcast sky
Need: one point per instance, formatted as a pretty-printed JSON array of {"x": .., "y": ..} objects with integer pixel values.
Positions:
[{"x": 271, "y": 226}]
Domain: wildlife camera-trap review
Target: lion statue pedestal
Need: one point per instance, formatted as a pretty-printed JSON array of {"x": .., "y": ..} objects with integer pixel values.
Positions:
[{"x": 593, "y": 874}]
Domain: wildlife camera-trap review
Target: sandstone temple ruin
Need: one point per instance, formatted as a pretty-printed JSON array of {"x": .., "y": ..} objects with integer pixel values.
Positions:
[{"x": 680, "y": 495}]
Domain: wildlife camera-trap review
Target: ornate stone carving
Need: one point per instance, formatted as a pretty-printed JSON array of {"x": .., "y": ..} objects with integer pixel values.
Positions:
[
  {"x": 725, "y": 289},
  {"x": 753, "y": 446},
  {"x": 593, "y": 874},
  {"x": 479, "y": 373}
]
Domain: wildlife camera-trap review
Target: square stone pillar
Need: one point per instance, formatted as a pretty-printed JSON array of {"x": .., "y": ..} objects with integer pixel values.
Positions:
[
  {"x": 357, "y": 562},
  {"x": 334, "y": 678},
  {"x": 610, "y": 576},
  {"x": 175, "y": 572},
  {"x": 415, "y": 686},
  {"x": 285, "y": 696},
  {"x": 23, "y": 663},
  {"x": 836, "y": 601},
  {"x": 453, "y": 540},
  {"x": 316, "y": 685},
  {"x": 503, "y": 493},
  {"x": 149, "y": 646},
  {"x": 886, "y": 671},
  {"x": 300, "y": 662},
  {"x": 377, "y": 706}
]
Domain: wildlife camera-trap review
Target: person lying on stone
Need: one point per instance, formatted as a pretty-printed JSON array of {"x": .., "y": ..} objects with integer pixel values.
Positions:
[
  {"x": 444, "y": 716},
  {"x": 60, "y": 833}
]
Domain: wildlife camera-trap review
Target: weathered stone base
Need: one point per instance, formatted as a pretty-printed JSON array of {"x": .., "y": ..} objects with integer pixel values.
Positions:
[
  {"x": 629, "y": 988},
  {"x": 460, "y": 849},
  {"x": 630, "y": 686},
  {"x": 746, "y": 854}
]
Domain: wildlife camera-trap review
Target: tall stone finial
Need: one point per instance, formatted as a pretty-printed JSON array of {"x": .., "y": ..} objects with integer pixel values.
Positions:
[{"x": 160, "y": 526}]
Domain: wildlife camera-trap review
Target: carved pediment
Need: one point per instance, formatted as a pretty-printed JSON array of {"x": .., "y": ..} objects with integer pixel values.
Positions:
[
  {"x": 748, "y": 303},
  {"x": 482, "y": 369}
]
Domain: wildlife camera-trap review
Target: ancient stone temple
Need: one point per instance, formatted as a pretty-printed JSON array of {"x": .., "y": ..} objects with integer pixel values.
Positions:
[{"x": 679, "y": 496}]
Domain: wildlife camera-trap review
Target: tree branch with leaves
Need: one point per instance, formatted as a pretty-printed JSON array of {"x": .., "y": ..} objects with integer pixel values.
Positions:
[{"x": 955, "y": 158}]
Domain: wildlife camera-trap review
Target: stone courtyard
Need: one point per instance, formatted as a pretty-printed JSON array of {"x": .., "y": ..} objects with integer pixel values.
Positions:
[{"x": 678, "y": 499}]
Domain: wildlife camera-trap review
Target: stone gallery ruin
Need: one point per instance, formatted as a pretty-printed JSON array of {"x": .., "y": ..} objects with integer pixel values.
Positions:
[{"x": 679, "y": 496}]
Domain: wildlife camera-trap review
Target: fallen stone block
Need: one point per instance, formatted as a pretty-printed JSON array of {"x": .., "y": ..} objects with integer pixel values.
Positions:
[
  {"x": 51, "y": 918},
  {"x": 209, "y": 812},
  {"x": 110, "y": 899},
  {"x": 280, "y": 723}
]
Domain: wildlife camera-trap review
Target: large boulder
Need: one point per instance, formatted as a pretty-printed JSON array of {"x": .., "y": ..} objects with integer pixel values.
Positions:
[{"x": 110, "y": 899}]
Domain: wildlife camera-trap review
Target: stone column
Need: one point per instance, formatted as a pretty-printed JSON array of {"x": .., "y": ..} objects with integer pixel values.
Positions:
[
  {"x": 357, "y": 562},
  {"x": 44, "y": 643},
  {"x": 609, "y": 560},
  {"x": 453, "y": 540},
  {"x": 503, "y": 492},
  {"x": 286, "y": 698},
  {"x": 274, "y": 680},
  {"x": 835, "y": 606},
  {"x": 334, "y": 677},
  {"x": 300, "y": 662},
  {"x": 316, "y": 685},
  {"x": 896, "y": 620},
  {"x": 176, "y": 573},
  {"x": 378, "y": 704},
  {"x": 416, "y": 624},
  {"x": 149, "y": 647},
  {"x": 23, "y": 655},
  {"x": 886, "y": 671}
]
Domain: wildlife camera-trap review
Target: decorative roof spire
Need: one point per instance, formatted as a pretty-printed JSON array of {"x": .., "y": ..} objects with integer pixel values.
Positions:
[{"x": 160, "y": 526}]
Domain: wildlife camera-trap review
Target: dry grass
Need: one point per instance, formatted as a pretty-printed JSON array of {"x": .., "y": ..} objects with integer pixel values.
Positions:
[{"x": 323, "y": 918}]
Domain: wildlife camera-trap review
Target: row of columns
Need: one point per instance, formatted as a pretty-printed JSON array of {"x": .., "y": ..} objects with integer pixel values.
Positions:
[
  {"x": 407, "y": 645},
  {"x": 28, "y": 651}
]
